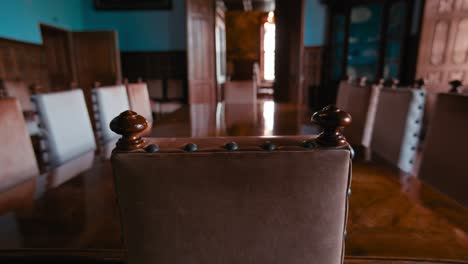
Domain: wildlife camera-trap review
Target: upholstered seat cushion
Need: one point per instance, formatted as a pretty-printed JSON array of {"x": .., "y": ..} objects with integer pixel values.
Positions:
[
  {"x": 17, "y": 159},
  {"x": 247, "y": 206},
  {"x": 110, "y": 102},
  {"x": 67, "y": 127}
]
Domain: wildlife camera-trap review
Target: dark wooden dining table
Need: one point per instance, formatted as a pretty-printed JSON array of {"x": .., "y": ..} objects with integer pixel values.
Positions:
[{"x": 71, "y": 210}]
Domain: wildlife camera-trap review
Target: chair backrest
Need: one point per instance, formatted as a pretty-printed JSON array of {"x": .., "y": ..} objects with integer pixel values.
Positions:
[
  {"x": 139, "y": 100},
  {"x": 108, "y": 102},
  {"x": 240, "y": 92},
  {"x": 444, "y": 163},
  {"x": 155, "y": 89},
  {"x": 397, "y": 126},
  {"x": 175, "y": 89},
  {"x": 20, "y": 91},
  {"x": 215, "y": 201},
  {"x": 17, "y": 159},
  {"x": 67, "y": 127},
  {"x": 361, "y": 103}
]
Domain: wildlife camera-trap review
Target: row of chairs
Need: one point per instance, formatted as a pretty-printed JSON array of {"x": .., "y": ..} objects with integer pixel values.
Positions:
[
  {"x": 65, "y": 125},
  {"x": 390, "y": 123},
  {"x": 387, "y": 121}
]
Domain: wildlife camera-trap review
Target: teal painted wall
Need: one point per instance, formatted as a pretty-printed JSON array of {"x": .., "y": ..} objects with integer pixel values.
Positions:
[
  {"x": 315, "y": 23},
  {"x": 153, "y": 30},
  {"x": 19, "y": 19}
]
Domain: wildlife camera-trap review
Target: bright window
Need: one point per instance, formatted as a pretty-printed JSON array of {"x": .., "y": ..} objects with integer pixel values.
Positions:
[{"x": 269, "y": 37}]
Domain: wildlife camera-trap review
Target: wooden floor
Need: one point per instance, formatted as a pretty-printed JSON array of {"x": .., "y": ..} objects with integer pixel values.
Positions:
[{"x": 394, "y": 218}]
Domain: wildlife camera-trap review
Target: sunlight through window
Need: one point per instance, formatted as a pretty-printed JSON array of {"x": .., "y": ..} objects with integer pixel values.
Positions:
[{"x": 269, "y": 48}]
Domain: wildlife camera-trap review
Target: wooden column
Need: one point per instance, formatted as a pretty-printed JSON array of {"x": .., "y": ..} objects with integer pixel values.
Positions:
[{"x": 289, "y": 51}]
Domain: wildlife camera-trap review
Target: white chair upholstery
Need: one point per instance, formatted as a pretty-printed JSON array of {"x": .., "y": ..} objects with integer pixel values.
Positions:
[
  {"x": 109, "y": 102},
  {"x": 398, "y": 125},
  {"x": 66, "y": 125}
]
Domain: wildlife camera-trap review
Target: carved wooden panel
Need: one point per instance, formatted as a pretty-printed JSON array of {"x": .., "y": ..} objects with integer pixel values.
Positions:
[
  {"x": 23, "y": 61},
  {"x": 443, "y": 52},
  {"x": 201, "y": 51}
]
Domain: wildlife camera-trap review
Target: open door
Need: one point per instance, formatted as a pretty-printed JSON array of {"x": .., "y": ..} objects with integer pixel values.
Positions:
[
  {"x": 201, "y": 52},
  {"x": 97, "y": 58}
]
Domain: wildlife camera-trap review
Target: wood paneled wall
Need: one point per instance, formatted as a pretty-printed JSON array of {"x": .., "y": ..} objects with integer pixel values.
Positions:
[
  {"x": 154, "y": 65},
  {"x": 312, "y": 66},
  {"x": 23, "y": 61},
  {"x": 443, "y": 51}
]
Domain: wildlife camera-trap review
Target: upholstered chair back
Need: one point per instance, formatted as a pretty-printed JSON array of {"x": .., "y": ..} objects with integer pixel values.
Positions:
[
  {"x": 155, "y": 89},
  {"x": 361, "y": 103},
  {"x": 233, "y": 200},
  {"x": 175, "y": 89},
  {"x": 20, "y": 91},
  {"x": 107, "y": 103},
  {"x": 67, "y": 129},
  {"x": 240, "y": 92},
  {"x": 397, "y": 126},
  {"x": 139, "y": 100},
  {"x": 17, "y": 159},
  {"x": 444, "y": 164}
]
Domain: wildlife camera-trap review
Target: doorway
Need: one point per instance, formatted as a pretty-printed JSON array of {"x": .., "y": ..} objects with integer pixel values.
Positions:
[{"x": 57, "y": 49}]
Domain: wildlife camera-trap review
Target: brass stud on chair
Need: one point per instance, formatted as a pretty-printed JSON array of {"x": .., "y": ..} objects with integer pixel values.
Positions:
[
  {"x": 129, "y": 125},
  {"x": 332, "y": 120},
  {"x": 231, "y": 146},
  {"x": 268, "y": 146},
  {"x": 191, "y": 147},
  {"x": 153, "y": 148}
]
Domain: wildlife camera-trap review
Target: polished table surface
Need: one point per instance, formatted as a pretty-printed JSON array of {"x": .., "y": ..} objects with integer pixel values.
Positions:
[{"x": 72, "y": 209}]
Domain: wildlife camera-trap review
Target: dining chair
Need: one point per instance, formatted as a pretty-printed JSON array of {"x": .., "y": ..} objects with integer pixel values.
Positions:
[
  {"x": 139, "y": 100},
  {"x": 19, "y": 90},
  {"x": 444, "y": 164},
  {"x": 17, "y": 159},
  {"x": 66, "y": 127},
  {"x": 233, "y": 200},
  {"x": 397, "y": 127},
  {"x": 108, "y": 101},
  {"x": 240, "y": 92},
  {"x": 361, "y": 102}
]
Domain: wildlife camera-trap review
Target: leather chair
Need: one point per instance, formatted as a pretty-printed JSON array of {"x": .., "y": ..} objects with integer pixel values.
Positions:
[
  {"x": 107, "y": 103},
  {"x": 211, "y": 200},
  {"x": 20, "y": 91},
  {"x": 361, "y": 103},
  {"x": 397, "y": 127},
  {"x": 67, "y": 129},
  {"x": 240, "y": 92},
  {"x": 17, "y": 159},
  {"x": 444, "y": 163}
]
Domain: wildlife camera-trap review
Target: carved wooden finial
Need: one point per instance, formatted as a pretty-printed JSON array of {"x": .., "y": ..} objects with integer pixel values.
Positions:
[
  {"x": 332, "y": 120},
  {"x": 456, "y": 84},
  {"x": 129, "y": 125}
]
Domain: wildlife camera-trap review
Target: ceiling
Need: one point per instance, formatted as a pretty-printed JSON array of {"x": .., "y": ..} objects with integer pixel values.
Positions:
[{"x": 249, "y": 5}]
